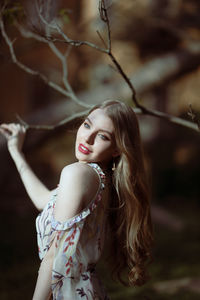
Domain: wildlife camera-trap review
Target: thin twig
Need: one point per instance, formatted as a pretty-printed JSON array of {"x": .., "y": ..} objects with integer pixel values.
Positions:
[
  {"x": 30, "y": 71},
  {"x": 67, "y": 52},
  {"x": 53, "y": 25},
  {"x": 21, "y": 121},
  {"x": 193, "y": 116},
  {"x": 101, "y": 38},
  {"x": 29, "y": 34},
  {"x": 127, "y": 80},
  {"x": 104, "y": 17},
  {"x": 167, "y": 117},
  {"x": 59, "y": 124},
  {"x": 63, "y": 60},
  {"x": 164, "y": 116}
]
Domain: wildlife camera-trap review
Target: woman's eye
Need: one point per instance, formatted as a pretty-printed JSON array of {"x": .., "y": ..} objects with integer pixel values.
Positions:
[
  {"x": 103, "y": 137},
  {"x": 86, "y": 125}
]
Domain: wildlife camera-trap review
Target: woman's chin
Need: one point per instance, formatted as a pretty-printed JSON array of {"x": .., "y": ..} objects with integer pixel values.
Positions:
[{"x": 82, "y": 157}]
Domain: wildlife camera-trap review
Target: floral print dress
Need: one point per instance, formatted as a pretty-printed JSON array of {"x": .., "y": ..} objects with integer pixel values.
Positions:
[{"x": 78, "y": 247}]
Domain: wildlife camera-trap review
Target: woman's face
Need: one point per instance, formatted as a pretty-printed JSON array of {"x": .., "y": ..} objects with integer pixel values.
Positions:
[{"x": 95, "y": 139}]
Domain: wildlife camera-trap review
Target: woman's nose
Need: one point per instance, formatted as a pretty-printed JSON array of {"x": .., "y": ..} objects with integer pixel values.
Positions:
[{"x": 89, "y": 138}]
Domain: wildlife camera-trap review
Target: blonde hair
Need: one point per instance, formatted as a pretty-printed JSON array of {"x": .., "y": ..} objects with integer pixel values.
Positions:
[{"x": 129, "y": 209}]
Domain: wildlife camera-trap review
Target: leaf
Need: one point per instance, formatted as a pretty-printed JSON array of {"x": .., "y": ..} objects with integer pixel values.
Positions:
[
  {"x": 64, "y": 15},
  {"x": 65, "y": 19}
]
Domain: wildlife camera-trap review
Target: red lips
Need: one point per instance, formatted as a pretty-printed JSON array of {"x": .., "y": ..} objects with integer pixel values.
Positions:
[{"x": 83, "y": 149}]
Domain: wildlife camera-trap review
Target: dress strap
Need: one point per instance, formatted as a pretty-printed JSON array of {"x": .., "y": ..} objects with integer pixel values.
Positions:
[{"x": 101, "y": 174}]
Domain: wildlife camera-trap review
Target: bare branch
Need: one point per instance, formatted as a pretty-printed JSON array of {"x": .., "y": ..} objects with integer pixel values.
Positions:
[
  {"x": 67, "y": 52},
  {"x": 26, "y": 68},
  {"x": 101, "y": 38},
  {"x": 29, "y": 34},
  {"x": 53, "y": 25},
  {"x": 144, "y": 110},
  {"x": 123, "y": 74},
  {"x": 59, "y": 124},
  {"x": 64, "y": 121},
  {"x": 30, "y": 71},
  {"x": 167, "y": 117},
  {"x": 193, "y": 116},
  {"x": 104, "y": 17},
  {"x": 21, "y": 121},
  {"x": 63, "y": 59}
]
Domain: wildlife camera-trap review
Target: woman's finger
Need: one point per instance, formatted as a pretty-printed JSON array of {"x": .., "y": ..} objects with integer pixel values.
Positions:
[
  {"x": 6, "y": 128},
  {"x": 12, "y": 129},
  {"x": 9, "y": 130},
  {"x": 5, "y": 133},
  {"x": 17, "y": 126},
  {"x": 14, "y": 126},
  {"x": 5, "y": 125}
]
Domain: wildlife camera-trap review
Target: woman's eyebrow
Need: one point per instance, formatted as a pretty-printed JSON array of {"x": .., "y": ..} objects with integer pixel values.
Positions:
[
  {"x": 89, "y": 120},
  {"x": 104, "y": 130}
]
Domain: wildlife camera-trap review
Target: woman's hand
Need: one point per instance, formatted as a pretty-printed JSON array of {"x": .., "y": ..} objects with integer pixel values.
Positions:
[{"x": 14, "y": 134}]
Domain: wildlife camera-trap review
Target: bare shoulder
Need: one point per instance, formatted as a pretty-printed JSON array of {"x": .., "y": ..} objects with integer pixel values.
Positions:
[
  {"x": 81, "y": 170},
  {"x": 78, "y": 185},
  {"x": 82, "y": 176}
]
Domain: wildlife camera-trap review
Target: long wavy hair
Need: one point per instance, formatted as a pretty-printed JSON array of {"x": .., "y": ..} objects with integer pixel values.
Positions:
[{"x": 129, "y": 208}]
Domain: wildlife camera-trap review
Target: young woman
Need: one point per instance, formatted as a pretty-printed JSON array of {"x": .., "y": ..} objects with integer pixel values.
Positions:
[{"x": 102, "y": 197}]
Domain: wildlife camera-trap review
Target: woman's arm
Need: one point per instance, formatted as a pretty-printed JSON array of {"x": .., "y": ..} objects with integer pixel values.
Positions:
[
  {"x": 43, "y": 285},
  {"x": 37, "y": 191}
]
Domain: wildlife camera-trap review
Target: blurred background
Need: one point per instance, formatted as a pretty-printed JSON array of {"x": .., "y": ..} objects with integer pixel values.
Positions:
[{"x": 157, "y": 44}]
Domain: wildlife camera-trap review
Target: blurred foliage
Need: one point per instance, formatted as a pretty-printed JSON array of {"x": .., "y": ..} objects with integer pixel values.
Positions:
[
  {"x": 157, "y": 27},
  {"x": 64, "y": 15},
  {"x": 13, "y": 11}
]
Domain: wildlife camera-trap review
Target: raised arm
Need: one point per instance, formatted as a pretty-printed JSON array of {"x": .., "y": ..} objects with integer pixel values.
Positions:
[{"x": 37, "y": 191}]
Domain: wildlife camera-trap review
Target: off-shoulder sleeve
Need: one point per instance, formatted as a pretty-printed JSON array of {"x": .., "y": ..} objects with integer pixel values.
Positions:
[
  {"x": 65, "y": 261},
  {"x": 68, "y": 262}
]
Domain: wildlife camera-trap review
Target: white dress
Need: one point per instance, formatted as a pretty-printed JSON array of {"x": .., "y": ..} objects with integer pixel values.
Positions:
[{"x": 79, "y": 243}]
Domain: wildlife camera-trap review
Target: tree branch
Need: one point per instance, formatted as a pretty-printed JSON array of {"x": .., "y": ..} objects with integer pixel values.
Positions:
[
  {"x": 104, "y": 17},
  {"x": 68, "y": 90},
  {"x": 63, "y": 59},
  {"x": 53, "y": 25},
  {"x": 170, "y": 118},
  {"x": 58, "y": 124},
  {"x": 30, "y": 71}
]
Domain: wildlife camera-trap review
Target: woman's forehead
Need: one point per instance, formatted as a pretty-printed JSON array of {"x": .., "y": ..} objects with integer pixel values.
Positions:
[{"x": 100, "y": 118}]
